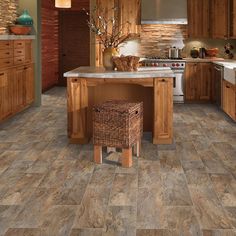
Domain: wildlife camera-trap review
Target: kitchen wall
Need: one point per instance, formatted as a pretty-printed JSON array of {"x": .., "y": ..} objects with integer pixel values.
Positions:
[
  {"x": 8, "y": 14},
  {"x": 155, "y": 39}
]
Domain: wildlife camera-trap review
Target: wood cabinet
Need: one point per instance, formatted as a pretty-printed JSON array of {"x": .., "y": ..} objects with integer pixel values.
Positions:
[
  {"x": 212, "y": 19},
  {"x": 16, "y": 76},
  {"x": 198, "y": 82},
  {"x": 220, "y": 19},
  {"x": 229, "y": 99},
  {"x": 163, "y": 111},
  {"x": 198, "y": 18},
  {"x": 5, "y": 94},
  {"x": 232, "y": 27}
]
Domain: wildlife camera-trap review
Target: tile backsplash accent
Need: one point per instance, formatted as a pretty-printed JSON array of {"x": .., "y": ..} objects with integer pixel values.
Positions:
[
  {"x": 156, "y": 39},
  {"x": 8, "y": 14}
]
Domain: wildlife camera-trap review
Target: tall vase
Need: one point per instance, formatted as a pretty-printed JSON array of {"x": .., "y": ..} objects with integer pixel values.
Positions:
[
  {"x": 108, "y": 53},
  {"x": 24, "y": 19}
]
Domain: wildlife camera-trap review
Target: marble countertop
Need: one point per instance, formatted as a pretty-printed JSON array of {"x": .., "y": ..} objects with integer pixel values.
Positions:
[
  {"x": 16, "y": 37},
  {"x": 100, "y": 72}
]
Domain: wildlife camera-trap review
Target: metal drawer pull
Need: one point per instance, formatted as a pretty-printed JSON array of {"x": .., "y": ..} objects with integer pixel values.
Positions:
[
  {"x": 227, "y": 86},
  {"x": 7, "y": 53},
  {"x": 7, "y": 62},
  {"x": 1, "y": 74},
  {"x": 19, "y": 51}
]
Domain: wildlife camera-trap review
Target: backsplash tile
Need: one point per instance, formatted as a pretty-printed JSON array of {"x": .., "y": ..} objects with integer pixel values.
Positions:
[{"x": 8, "y": 14}]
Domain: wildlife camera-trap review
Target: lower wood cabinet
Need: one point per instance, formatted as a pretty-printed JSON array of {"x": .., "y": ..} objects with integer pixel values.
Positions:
[
  {"x": 16, "y": 89},
  {"x": 229, "y": 99},
  {"x": 163, "y": 111},
  {"x": 198, "y": 82},
  {"x": 5, "y": 94},
  {"x": 16, "y": 76}
]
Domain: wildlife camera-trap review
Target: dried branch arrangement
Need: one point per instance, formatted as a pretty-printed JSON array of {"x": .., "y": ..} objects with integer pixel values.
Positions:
[{"x": 108, "y": 30}]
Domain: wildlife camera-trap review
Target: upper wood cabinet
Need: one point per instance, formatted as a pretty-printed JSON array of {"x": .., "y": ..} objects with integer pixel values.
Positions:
[
  {"x": 220, "y": 19},
  {"x": 212, "y": 19},
  {"x": 199, "y": 18},
  {"x": 198, "y": 82},
  {"x": 129, "y": 12},
  {"x": 232, "y": 27}
]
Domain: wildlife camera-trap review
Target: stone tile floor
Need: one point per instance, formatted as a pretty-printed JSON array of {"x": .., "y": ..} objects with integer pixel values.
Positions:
[{"x": 51, "y": 188}]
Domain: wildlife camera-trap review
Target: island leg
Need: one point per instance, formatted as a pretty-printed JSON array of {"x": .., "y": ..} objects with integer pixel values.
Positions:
[{"x": 163, "y": 111}]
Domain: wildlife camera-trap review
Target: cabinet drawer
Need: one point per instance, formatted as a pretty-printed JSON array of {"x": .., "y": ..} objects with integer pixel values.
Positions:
[
  {"x": 6, "y": 62},
  {"x": 19, "y": 44},
  {"x": 6, "y": 53},
  {"x": 5, "y": 44},
  {"x": 19, "y": 60},
  {"x": 19, "y": 52}
]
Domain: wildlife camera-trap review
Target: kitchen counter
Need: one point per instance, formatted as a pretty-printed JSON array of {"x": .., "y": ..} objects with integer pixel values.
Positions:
[
  {"x": 88, "y": 86},
  {"x": 100, "y": 72},
  {"x": 212, "y": 59},
  {"x": 16, "y": 37}
]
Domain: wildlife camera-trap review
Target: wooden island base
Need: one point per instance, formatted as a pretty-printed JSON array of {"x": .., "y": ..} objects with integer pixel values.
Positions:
[{"x": 156, "y": 94}]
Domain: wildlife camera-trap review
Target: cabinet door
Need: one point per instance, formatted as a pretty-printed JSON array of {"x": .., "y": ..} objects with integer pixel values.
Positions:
[
  {"x": 191, "y": 81},
  {"x": 29, "y": 84},
  {"x": 229, "y": 99},
  {"x": 233, "y": 19},
  {"x": 5, "y": 95},
  {"x": 163, "y": 111},
  {"x": 219, "y": 18},
  {"x": 199, "y": 18},
  {"x": 204, "y": 89},
  {"x": 17, "y": 88},
  {"x": 129, "y": 15},
  {"x": 28, "y": 51}
]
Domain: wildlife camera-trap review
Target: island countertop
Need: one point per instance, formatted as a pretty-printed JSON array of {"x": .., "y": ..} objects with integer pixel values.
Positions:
[{"x": 100, "y": 72}]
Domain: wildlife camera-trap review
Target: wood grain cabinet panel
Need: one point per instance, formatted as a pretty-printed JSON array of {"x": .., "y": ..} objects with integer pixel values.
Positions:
[
  {"x": 163, "y": 111},
  {"x": 198, "y": 82},
  {"x": 198, "y": 18},
  {"x": 17, "y": 88},
  {"x": 29, "y": 84},
  {"x": 220, "y": 19},
  {"x": 16, "y": 76},
  {"x": 232, "y": 27},
  {"x": 229, "y": 99},
  {"x": 5, "y": 94},
  {"x": 190, "y": 81},
  {"x": 205, "y": 84}
]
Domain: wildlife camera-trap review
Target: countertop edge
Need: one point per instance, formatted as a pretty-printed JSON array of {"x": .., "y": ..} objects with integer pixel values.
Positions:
[
  {"x": 15, "y": 37},
  {"x": 116, "y": 75}
]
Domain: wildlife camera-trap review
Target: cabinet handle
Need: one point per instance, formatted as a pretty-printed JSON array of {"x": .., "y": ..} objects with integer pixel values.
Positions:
[
  {"x": 7, "y": 53},
  {"x": 163, "y": 80},
  {"x": 7, "y": 62},
  {"x": 1, "y": 74},
  {"x": 19, "y": 51},
  {"x": 227, "y": 86}
]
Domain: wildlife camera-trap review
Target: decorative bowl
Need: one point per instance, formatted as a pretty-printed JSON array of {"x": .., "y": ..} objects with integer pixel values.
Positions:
[
  {"x": 20, "y": 29},
  {"x": 212, "y": 52}
]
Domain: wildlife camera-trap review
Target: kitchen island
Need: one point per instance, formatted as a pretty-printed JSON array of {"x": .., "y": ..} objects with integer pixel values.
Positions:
[{"x": 87, "y": 86}]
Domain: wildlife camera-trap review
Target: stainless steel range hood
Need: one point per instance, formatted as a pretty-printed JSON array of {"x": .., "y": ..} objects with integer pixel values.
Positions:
[{"x": 164, "y": 12}]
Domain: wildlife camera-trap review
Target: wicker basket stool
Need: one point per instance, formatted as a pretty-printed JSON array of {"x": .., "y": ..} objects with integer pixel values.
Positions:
[{"x": 117, "y": 124}]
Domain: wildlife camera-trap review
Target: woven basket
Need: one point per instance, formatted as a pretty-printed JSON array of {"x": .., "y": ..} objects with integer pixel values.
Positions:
[
  {"x": 128, "y": 63},
  {"x": 117, "y": 124}
]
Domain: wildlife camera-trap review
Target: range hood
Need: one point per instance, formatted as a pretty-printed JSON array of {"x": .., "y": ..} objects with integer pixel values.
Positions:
[{"x": 164, "y": 12}]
